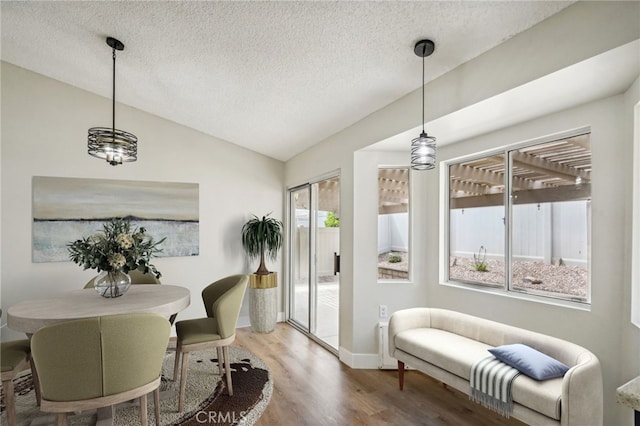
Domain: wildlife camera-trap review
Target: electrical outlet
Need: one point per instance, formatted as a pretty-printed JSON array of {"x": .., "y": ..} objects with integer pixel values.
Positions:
[{"x": 383, "y": 311}]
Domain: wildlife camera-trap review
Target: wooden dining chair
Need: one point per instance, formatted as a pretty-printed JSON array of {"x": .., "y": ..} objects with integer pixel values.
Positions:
[
  {"x": 101, "y": 361},
  {"x": 222, "y": 302},
  {"x": 14, "y": 358}
]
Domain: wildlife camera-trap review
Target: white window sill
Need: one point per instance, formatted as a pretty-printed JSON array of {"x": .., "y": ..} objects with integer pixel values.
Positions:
[{"x": 581, "y": 306}]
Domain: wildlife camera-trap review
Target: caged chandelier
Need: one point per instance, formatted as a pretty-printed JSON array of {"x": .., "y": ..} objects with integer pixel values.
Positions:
[
  {"x": 108, "y": 143},
  {"x": 423, "y": 148}
]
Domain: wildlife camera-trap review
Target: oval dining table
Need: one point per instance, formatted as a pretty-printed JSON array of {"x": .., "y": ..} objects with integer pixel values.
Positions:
[{"x": 31, "y": 315}]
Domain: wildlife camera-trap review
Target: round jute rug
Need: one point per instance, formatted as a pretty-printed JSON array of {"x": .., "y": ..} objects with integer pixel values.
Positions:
[{"x": 206, "y": 402}]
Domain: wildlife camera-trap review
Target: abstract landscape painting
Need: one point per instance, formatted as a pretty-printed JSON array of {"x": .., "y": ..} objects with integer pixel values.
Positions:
[{"x": 66, "y": 209}]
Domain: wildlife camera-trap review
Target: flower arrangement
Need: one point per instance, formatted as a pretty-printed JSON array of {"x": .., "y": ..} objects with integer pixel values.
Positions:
[{"x": 116, "y": 248}]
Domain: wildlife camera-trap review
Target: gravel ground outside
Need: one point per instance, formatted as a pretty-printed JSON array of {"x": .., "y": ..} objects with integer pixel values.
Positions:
[
  {"x": 398, "y": 266},
  {"x": 535, "y": 277}
]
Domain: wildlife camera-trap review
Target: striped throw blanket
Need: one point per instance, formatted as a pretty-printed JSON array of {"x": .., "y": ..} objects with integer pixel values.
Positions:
[{"x": 491, "y": 382}]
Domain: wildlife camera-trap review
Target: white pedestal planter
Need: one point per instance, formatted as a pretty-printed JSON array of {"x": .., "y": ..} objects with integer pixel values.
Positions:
[{"x": 263, "y": 302}]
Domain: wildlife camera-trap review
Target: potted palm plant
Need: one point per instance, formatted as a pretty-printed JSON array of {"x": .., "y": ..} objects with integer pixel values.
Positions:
[{"x": 262, "y": 238}]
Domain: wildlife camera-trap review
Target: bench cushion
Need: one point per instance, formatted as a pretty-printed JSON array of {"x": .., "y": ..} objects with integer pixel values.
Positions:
[
  {"x": 543, "y": 397},
  {"x": 456, "y": 354},
  {"x": 446, "y": 350}
]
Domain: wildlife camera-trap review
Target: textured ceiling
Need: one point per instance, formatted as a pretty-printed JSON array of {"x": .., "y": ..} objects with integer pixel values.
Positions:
[
  {"x": 274, "y": 77},
  {"x": 563, "y": 89}
]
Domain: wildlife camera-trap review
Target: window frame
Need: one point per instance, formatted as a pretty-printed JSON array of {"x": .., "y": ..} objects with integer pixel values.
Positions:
[
  {"x": 635, "y": 225},
  {"x": 445, "y": 230},
  {"x": 409, "y": 225}
]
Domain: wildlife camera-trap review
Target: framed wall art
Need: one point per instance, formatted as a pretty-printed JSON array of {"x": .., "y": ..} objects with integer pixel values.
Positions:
[{"x": 66, "y": 209}]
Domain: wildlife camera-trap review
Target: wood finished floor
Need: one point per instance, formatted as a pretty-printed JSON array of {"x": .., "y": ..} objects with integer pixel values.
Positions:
[{"x": 312, "y": 387}]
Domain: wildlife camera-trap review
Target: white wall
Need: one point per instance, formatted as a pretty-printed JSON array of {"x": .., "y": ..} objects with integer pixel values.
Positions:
[
  {"x": 44, "y": 132},
  {"x": 629, "y": 354},
  {"x": 581, "y": 31},
  {"x": 368, "y": 292}
]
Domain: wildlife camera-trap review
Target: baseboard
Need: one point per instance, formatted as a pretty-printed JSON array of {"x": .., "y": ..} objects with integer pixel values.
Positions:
[
  {"x": 358, "y": 361},
  {"x": 243, "y": 322}
]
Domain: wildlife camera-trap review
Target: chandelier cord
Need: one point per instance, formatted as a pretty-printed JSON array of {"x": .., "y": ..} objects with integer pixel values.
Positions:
[
  {"x": 424, "y": 49},
  {"x": 113, "y": 103}
]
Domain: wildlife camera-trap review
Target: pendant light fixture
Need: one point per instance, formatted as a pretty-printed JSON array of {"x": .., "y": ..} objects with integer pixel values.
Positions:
[
  {"x": 423, "y": 148},
  {"x": 115, "y": 146}
]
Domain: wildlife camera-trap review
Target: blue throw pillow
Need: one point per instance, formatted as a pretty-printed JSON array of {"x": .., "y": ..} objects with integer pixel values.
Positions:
[{"x": 529, "y": 361}]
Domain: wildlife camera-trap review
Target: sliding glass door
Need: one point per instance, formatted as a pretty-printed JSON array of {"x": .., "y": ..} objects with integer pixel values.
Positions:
[
  {"x": 299, "y": 278},
  {"x": 315, "y": 259}
]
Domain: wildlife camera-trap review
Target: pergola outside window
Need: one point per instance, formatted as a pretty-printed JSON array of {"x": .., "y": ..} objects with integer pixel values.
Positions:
[{"x": 519, "y": 218}]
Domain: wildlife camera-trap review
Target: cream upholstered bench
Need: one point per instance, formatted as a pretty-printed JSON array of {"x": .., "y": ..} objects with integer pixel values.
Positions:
[{"x": 445, "y": 344}]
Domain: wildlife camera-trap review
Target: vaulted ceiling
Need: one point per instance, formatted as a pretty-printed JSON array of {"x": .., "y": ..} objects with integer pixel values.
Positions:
[{"x": 275, "y": 77}]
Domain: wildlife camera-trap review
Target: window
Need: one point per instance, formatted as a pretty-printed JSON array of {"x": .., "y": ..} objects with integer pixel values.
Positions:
[
  {"x": 537, "y": 239},
  {"x": 393, "y": 223},
  {"x": 635, "y": 236}
]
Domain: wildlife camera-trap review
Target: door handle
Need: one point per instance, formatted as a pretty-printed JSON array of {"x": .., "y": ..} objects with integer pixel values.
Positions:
[{"x": 336, "y": 263}]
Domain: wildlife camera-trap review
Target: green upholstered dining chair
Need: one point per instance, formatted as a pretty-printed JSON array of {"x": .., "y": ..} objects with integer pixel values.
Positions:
[
  {"x": 101, "y": 361},
  {"x": 14, "y": 357},
  {"x": 222, "y": 302}
]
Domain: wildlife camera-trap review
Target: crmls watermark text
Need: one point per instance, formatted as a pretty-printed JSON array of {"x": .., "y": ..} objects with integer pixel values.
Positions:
[{"x": 219, "y": 416}]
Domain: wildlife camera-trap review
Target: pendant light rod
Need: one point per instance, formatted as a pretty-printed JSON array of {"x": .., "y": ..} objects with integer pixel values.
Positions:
[
  {"x": 113, "y": 93},
  {"x": 422, "y": 92},
  {"x": 424, "y": 48},
  {"x": 115, "y": 45}
]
